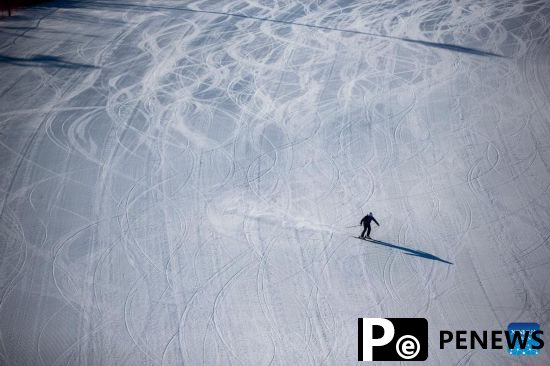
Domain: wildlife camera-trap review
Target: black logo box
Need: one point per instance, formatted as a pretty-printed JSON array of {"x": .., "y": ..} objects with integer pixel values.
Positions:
[{"x": 417, "y": 327}]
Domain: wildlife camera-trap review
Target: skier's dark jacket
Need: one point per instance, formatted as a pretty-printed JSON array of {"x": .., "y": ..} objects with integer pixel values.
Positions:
[{"x": 365, "y": 221}]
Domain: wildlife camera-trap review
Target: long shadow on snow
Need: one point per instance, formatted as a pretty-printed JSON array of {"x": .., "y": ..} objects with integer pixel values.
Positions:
[
  {"x": 145, "y": 7},
  {"x": 451, "y": 47},
  {"x": 409, "y": 251}
]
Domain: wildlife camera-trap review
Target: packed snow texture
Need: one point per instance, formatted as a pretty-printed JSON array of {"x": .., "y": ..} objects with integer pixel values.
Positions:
[{"x": 180, "y": 179}]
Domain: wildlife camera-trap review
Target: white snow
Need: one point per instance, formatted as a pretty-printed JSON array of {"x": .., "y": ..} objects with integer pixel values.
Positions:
[{"x": 177, "y": 185}]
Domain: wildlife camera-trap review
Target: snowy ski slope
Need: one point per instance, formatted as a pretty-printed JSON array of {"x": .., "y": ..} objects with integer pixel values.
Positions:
[{"x": 179, "y": 179}]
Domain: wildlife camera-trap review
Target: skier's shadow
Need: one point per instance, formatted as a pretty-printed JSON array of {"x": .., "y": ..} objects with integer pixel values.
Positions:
[{"x": 409, "y": 251}]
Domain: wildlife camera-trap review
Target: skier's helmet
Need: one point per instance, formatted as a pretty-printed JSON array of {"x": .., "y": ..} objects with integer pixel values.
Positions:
[{"x": 370, "y": 213}]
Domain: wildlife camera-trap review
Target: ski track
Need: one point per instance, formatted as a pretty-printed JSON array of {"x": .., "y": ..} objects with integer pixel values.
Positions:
[{"x": 179, "y": 180}]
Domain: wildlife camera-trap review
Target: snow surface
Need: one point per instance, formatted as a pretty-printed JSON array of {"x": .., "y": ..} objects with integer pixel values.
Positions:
[{"x": 178, "y": 184}]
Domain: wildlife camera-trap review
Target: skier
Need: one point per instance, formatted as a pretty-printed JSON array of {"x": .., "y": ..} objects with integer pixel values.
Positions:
[{"x": 365, "y": 221}]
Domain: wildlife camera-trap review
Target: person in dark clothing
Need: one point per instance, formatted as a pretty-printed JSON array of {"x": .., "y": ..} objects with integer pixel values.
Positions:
[{"x": 365, "y": 221}]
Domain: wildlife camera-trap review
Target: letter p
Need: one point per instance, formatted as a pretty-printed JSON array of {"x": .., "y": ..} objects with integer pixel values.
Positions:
[{"x": 366, "y": 336}]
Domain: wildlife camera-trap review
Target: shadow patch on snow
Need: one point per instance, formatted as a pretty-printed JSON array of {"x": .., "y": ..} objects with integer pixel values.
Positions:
[
  {"x": 44, "y": 61},
  {"x": 409, "y": 251}
]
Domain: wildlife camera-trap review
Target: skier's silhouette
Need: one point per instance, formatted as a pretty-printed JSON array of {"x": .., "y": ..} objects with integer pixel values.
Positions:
[{"x": 365, "y": 221}]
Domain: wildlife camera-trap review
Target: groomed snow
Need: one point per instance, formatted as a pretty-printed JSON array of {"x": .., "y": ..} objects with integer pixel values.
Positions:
[{"x": 179, "y": 178}]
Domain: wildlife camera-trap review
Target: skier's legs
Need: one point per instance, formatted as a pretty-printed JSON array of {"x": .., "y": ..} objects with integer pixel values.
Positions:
[
  {"x": 368, "y": 231},
  {"x": 364, "y": 229}
]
